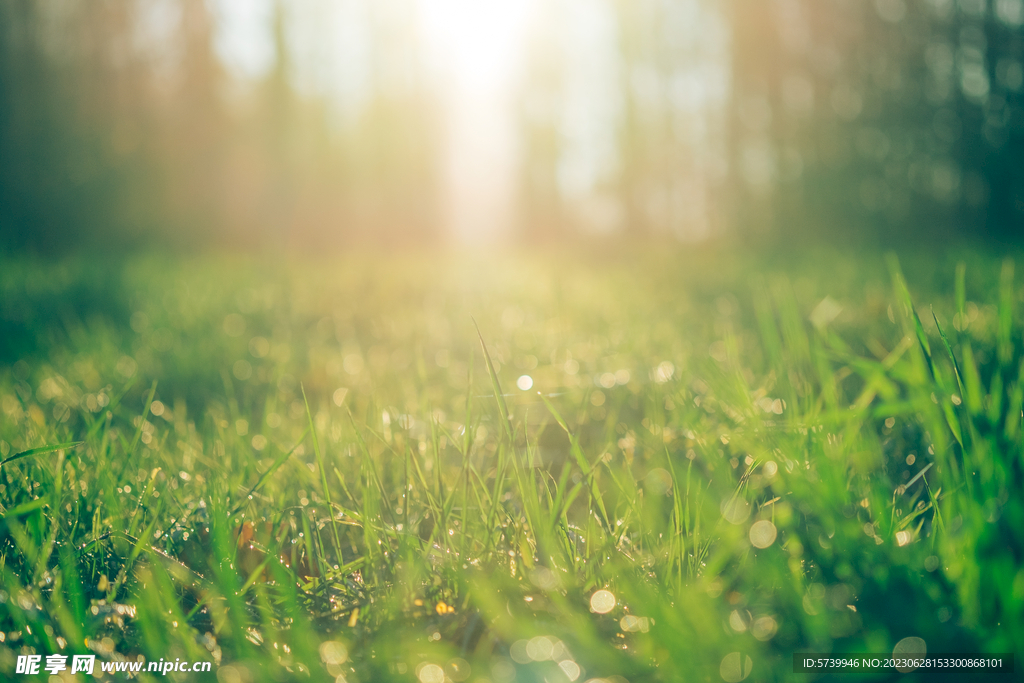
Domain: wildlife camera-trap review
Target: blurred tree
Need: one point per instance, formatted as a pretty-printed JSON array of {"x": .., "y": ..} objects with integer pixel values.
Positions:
[
  {"x": 60, "y": 176},
  {"x": 876, "y": 120},
  {"x": 120, "y": 127},
  {"x": 872, "y": 119},
  {"x": 663, "y": 90},
  {"x": 542, "y": 211},
  {"x": 192, "y": 132},
  {"x": 886, "y": 120}
]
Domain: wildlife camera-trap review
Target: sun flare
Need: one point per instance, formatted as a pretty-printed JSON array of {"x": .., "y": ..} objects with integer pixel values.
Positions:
[
  {"x": 477, "y": 44},
  {"x": 475, "y": 50}
]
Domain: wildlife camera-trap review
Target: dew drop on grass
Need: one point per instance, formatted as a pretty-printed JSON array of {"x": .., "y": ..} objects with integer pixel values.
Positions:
[
  {"x": 735, "y": 667},
  {"x": 259, "y": 347},
  {"x": 664, "y": 372},
  {"x": 570, "y": 668},
  {"x": 658, "y": 481},
  {"x": 762, "y": 534},
  {"x": 431, "y": 673},
  {"x": 910, "y": 646},
  {"x": 737, "y": 621},
  {"x": 458, "y": 669},
  {"x": 764, "y": 628},
  {"x": 633, "y": 624},
  {"x": 518, "y": 652},
  {"x": 333, "y": 652},
  {"x": 735, "y": 510},
  {"x": 602, "y": 601},
  {"x": 539, "y": 648},
  {"x": 339, "y": 395}
]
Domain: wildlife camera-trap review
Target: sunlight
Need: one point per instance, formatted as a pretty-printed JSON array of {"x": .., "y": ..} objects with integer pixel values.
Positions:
[
  {"x": 477, "y": 44},
  {"x": 475, "y": 49}
]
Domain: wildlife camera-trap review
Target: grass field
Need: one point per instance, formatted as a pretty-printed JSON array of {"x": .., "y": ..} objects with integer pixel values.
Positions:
[{"x": 672, "y": 467}]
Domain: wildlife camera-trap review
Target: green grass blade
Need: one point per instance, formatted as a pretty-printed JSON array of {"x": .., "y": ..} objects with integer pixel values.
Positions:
[
  {"x": 41, "y": 450},
  {"x": 323, "y": 471},
  {"x": 506, "y": 418},
  {"x": 265, "y": 477},
  {"x": 142, "y": 420}
]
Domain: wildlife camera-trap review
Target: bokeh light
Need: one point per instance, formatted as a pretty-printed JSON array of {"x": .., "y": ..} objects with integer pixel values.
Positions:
[
  {"x": 762, "y": 533},
  {"x": 602, "y": 601},
  {"x": 735, "y": 667}
]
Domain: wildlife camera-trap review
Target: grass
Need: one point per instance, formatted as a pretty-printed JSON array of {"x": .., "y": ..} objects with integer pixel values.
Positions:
[{"x": 657, "y": 468}]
